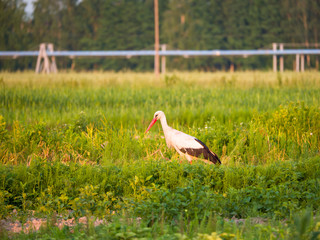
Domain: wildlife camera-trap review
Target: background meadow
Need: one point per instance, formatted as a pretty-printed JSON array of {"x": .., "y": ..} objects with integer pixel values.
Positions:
[{"x": 73, "y": 145}]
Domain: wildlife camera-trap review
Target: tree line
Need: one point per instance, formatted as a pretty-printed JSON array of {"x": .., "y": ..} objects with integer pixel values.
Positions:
[{"x": 184, "y": 25}]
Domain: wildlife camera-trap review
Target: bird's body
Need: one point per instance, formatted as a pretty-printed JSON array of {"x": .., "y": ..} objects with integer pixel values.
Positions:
[{"x": 184, "y": 144}]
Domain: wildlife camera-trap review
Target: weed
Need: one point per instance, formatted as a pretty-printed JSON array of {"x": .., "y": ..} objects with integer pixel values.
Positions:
[{"x": 75, "y": 147}]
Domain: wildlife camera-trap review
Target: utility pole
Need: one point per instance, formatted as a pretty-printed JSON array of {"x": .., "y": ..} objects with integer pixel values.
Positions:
[{"x": 156, "y": 38}]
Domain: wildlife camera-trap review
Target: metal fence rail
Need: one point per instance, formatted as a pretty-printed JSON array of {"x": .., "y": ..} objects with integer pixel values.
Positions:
[
  {"x": 46, "y": 51},
  {"x": 129, "y": 53}
]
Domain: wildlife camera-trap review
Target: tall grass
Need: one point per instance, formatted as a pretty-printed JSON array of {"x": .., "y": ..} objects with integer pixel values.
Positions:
[
  {"x": 73, "y": 144},
  {"x": 72, "y": 115}
]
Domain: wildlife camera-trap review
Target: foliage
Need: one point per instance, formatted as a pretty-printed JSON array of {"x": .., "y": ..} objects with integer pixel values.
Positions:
[
  {"x": 184, "y": 25},
  {"x": 215, "y": 228},
  {"x": 74, "y": 147}
]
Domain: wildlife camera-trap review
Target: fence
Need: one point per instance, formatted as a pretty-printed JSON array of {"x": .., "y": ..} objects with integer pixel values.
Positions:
[{"x": 44, "y": 64}]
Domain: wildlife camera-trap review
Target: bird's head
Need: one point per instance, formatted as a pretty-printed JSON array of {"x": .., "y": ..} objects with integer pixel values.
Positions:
[{"x": 156, "y": 117}]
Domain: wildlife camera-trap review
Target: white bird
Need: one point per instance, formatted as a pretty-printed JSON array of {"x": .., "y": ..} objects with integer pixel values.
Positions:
[{"x": 184, "y": 144}]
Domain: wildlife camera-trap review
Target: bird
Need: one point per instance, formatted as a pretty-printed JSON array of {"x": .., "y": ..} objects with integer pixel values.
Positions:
[{"x": 186, "y": 145}]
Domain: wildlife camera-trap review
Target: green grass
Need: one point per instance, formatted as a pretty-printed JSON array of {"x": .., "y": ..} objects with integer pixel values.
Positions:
[{"x": 73, "y": 145}]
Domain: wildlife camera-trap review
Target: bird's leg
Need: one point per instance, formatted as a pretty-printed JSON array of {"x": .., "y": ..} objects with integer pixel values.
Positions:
[{"x": 189, "y": 158}]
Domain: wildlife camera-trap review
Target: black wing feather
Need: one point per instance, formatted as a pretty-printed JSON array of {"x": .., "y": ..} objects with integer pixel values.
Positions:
[{"x": 205, "y": 152}]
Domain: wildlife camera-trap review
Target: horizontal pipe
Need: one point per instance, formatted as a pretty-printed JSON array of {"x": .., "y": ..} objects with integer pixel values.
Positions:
[{"x": 162, "y": 53}]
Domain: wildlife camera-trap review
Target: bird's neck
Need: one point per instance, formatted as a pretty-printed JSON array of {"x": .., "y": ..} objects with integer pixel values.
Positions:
[{"x": 164, "y": 123}]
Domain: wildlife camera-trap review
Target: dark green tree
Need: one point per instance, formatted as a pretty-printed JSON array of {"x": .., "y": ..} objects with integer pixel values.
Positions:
[
  {"x": 184, "y": 25},
  {"x": 14, "y": 33},
  {"x": 46, "y": 23},
  {"x": 122, "y": 25}
]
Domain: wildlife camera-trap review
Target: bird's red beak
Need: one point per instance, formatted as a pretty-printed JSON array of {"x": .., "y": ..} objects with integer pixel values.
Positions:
[{"x": 151, "y": 124}]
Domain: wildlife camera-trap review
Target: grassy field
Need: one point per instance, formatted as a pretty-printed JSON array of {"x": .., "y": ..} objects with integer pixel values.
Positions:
[{"x": 72, "y": 145}]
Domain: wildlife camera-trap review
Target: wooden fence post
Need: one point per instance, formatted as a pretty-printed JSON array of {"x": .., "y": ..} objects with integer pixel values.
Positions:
[
  {"x": 302, "y": 63},
  {"x": 53, "y": 66},
  {"x": 46, "y": 66},
  {"x": 297, "y": 62},
  {"x": 274, "y": 46},
  {"x": 232, "y": 67},
  {"x": 281, "y": 59},
  {"x": 42, "y": 67},
  {"x": 317, "y": 58}
]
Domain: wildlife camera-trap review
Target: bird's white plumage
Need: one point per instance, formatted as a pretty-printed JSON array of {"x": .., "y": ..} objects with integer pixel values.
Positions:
[
  {"x": 175, "y": 138},
  {"x": 184, "y": 144},
  {"x": 180, "y": 140}
]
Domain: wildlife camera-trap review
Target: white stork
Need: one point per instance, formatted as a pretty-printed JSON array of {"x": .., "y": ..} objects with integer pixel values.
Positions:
[{"x": 184, "y": 144}]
